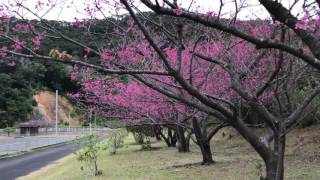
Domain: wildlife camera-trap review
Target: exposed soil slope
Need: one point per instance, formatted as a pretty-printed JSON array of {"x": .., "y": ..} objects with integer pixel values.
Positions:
[{"x": 46, "y": 107}]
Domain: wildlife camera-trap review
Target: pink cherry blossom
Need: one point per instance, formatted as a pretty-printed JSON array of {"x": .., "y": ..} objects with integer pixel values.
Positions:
[
  {"x": 37, "y": 41},
  {"x": 178, "y": 11},
  {"x": 105, "y": 56}
]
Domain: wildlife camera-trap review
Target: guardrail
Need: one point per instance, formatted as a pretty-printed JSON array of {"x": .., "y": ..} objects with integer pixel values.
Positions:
[
  {"x": 72, "y": 129},
  {"x": 64, "y": 129},
  {"x": 17, "y": 143}
]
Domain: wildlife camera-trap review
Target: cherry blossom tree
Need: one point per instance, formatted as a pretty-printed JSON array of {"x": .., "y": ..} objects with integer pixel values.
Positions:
[
  {"x": 273, "y": 157},
  {"x": 135, "y": 104},
  {"x": 204, "y": 61}
]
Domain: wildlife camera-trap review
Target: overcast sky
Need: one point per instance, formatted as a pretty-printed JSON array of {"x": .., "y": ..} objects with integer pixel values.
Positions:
[{"x": 69, "y": 9}]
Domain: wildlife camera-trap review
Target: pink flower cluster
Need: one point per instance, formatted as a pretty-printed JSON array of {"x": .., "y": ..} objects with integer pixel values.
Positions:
[
  {"x": 37, "y": 41},
  {"x": 18, "y": 44},
  {"x": 105, "y": 55},
  {"x": 178, "y": 11},
  {"x": 132, "y": 101},
  {"x": 3, "y": 53},
  {"x": 308, "y": 23},
  {"x": 23, "y": 27}
]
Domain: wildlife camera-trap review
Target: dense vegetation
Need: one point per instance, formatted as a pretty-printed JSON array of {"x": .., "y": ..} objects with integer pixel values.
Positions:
[
  {"x": 21, "y": 78},
  {"x": 19, "y": 82}
]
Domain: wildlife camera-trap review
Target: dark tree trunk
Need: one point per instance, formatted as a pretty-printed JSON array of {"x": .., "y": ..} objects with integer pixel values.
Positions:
[
  {"x": 203, "y": 143},
  {"x": 166, "y": 140},
  {"x": 275, "y": 164},
  {"x": 271, "y": 169},
  {"x": 171, "y": 139},
  {"x": 274, "y": 168},
  {"x": 158, "y": 137},
  {"x": 174, "y": 139},
  {"x": 182, "y": 141},
  {"x": 188, "y": 140},
  {"x": 282, "y": 148},
  {"x": 157, "y": 131},
  {"x": 206, "y": 154}
]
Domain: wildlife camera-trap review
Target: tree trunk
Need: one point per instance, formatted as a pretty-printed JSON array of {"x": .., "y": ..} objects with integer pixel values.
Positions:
[
  {"x": 157, "y": 134},
  {"x": 158, "y": 137},
  {"x": 281, "y": 145},
  {"x": 203, "y": 144},
  {"x": 95, "y": 168},
  {"x": 174, "y": 139},
  {"x": 271, "y": 169},
  {"x": 166, "y": 140},
  {"x": 280, "y": 161},
  {"x": 182, "y": 142},
  {"x": 206, "y": 154},
  {"x": 157, "y": 131},
  {"x": 188, "y": 140},
  {"x": 171, "y": 140},
  {"x": 275, "y": 165}
]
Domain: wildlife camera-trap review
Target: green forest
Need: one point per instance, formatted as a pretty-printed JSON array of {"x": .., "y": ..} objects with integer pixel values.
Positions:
[{"x": 21, "y": 78}]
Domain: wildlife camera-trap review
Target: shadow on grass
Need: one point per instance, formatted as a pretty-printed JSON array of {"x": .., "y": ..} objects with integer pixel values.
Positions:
[
  {"x": 199, "y": 164},
  {"x": 189, "y": 165},
  {"x": 148, "y": 149}
]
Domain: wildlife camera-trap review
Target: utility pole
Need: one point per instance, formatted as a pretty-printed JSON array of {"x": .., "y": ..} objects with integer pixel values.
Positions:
[
  {"x": 90, "y": 119},
  {"x": 57, "y": 112},
  {"x": 95, "y": 120},
  {"x": 69, "y": 117}
]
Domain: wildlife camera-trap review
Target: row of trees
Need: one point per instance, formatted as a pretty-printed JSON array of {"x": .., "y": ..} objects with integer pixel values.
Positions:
[{"x": 191, "y": 69}]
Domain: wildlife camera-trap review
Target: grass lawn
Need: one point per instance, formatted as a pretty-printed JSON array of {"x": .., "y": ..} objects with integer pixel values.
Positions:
[{"x": 235, "y": 160}]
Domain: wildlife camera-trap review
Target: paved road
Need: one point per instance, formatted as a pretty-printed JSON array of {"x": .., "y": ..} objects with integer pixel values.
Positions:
[
  {"x": 12, "y": 168},
  {"x": 13, "y": 145}
]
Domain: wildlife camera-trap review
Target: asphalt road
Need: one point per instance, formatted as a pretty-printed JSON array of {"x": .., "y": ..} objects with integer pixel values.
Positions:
[
  {"x": 14, "y": 167},
  {"x": 14, "y": 145}
]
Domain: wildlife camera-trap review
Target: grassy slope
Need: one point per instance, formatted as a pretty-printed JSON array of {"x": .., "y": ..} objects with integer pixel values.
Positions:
[{"x": 235, "y": 160}]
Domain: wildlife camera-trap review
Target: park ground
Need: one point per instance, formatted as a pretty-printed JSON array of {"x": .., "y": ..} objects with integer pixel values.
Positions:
[{"x": 235, "y": 160}]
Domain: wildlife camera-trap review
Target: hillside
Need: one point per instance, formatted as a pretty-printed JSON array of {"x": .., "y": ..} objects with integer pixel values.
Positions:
[{"x": 46, "y": 107}]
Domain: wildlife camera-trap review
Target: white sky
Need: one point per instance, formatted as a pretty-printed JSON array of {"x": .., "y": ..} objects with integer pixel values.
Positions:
[{"x": 69, "y": 9}]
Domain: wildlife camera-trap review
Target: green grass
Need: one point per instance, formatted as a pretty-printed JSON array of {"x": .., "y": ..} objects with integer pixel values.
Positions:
[{"x": 235, "y": 160}]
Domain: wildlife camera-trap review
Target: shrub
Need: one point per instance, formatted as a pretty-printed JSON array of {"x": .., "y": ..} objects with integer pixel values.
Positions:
[
  {"x": 146, "y": 144},
  {"x": 146, "y": 130},
  {"x": 89, "y": 155},
  {"x": 138, "y": 137},
  {"x": 115, "y": 140},
  {"x": 142, "y": 135},
  {"x": 9, "y": 130}
]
